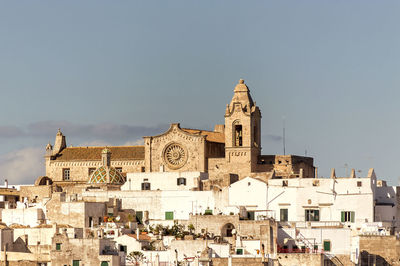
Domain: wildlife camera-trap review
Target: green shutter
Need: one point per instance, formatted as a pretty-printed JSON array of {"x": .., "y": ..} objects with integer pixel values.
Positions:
[
  {"x": 58, "y": 246},
  {"x": 327, "y": 245},
  {"x": 284, "y": 215},
  {"x": 104, "y": 263},
  {"x": 139, "y": 217},
  {"x": 352, "y": 214},
  {"x": 306, "y": 216},
  {"x": 75, "y": 263},
  {"x": 169, "y": 215},
  {"x": 343, "y": 217},
  {"x": 316, "y": 215}
]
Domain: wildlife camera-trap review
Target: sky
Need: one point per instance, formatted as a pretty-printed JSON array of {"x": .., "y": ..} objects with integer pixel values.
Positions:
[{"x": 110, "y": 72}]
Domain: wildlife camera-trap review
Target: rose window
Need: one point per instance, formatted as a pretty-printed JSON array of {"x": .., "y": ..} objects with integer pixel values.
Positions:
[{"x": 175, "y": 155}]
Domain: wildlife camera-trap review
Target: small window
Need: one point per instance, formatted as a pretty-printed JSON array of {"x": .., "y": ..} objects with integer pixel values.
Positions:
[
  {"x": 58, "y": 246},
  {"x": 91, "y": 170},
  {"x": 181, "y": 181},
  {"x": 347, "y": 216},
  {"x": 285, "y": 183},
  {"x": 122, "y": 248},
  {"x": 146, "y": 186},
  {"x": 284, "y": 215},
  {"x": 359, "y": 184},
  {"x": 239, "y": 251},
  {"x": 142, "y": 169},
  {"x": 169, "y": 215},
  {"x": 311, "y": 215},
  {"x": 66, "y": 174},
  {"x": 327, "y": 245},
  {"x": 75, "y": 262},
  {"x": 119, "y": 169}
]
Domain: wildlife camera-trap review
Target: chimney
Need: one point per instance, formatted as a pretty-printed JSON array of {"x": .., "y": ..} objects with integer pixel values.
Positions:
[
  {"x": 6, "y": 183},
  {"x": 353, "y": 173},
  {"x": 106, "y": 157},
  {"x": 59, "y": 143},
  {"x": 333, "y": 174},
  {"x": 301, "y": 174}
]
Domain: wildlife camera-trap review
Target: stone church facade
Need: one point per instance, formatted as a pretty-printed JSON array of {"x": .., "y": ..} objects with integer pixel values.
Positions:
[{"x": 232, "y": 151}]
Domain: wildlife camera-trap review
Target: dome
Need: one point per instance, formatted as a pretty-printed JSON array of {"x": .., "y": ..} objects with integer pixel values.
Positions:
[{"x": 106, "y": 175}]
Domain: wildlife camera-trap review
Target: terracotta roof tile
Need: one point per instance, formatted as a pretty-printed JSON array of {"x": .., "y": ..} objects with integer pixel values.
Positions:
[
  {"x": 94, "y": 153},
  {"x": 211, "y": 135}
]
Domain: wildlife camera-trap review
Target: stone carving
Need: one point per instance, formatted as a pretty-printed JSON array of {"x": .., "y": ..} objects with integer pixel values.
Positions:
[{"x": 175, "y": 155}]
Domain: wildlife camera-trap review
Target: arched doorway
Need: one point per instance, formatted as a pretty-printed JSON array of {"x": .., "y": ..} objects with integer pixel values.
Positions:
[{"x": 227, "y": 230}]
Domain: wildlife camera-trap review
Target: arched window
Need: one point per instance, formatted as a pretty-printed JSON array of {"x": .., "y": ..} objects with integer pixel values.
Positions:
[{"x": 237, "y": 133}]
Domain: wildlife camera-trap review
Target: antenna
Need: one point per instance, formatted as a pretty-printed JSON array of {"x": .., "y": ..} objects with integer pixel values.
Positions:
[{"x": 284, "y": 144}]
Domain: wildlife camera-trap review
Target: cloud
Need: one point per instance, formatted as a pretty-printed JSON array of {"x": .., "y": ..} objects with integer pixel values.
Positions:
[
  {"x": 273, "y": 137},
  {"x": 22, "y": 166},
  {"x": 11, "y": 132},
  {"x": 91, "y": 133}
]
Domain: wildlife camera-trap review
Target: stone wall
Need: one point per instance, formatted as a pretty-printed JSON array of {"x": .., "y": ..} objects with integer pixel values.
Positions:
[
  {"x": 382, "y": 248},
  {"x": 289, "y": 259},
  {"x": 238, "y": 261},
  {"x": 35, "y": 193},
  {"x": 79, "y": 170}
]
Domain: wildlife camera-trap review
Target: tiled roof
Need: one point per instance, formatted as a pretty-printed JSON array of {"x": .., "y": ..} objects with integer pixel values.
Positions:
[
  {"x": 211, "y": 135},
  {"x": 94, "y": 153},
  {"x": 142, "y": 237}
]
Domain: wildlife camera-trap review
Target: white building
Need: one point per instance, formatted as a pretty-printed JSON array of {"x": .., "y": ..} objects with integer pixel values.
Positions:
[{"x": 164, "y": 181}]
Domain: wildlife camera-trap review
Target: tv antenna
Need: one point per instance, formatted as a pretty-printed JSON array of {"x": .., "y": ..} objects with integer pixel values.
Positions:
[{"x": 283, "y": 137}]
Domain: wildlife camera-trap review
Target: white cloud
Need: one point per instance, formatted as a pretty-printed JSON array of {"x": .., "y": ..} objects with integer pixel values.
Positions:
[
  {"x": 22, "y": 166},
  {"x": 134, "y": 143}
]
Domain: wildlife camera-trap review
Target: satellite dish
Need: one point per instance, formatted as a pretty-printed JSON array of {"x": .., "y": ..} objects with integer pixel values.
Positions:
[{"x": 117, "y": 218}]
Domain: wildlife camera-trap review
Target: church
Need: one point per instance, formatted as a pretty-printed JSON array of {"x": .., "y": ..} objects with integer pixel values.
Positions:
[{"x": 229, "y": 153}]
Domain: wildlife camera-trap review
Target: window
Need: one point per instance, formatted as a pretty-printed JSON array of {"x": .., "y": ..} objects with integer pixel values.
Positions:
[
  {"x": 285, "y": 183},
  {"x": 312, "y": 215},
  {"x": 142, "y": 169},
  {"x": 251, "y": 215},
  {"x": 146, "y": 186},
  {"x": 58, "y": 246},
  {"x": 169, "y": 215},
  {"x": 238, "y": 135},
  {"x": 119, "y": 169},
  {"x": 122, "y": 248},
  {"x": 239, "y": 251},
  {"x": 181, "y": 181},
  {"x": 66, "y": 174},
  {"x": 284, "y": 213},
  {"x": 91, "y": 170},
  {"x": 359, "y": 184},
  {"x": 347, "y": 216},
  {"x": 327, "y": 245},
  {"x": 75, "y": 263}
]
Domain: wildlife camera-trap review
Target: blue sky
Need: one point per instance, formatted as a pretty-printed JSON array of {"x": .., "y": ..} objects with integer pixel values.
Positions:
[{"x": 109, "y": 72}]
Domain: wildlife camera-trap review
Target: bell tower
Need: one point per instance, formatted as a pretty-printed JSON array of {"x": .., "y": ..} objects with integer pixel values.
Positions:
[{"x": 242, "y": 131}]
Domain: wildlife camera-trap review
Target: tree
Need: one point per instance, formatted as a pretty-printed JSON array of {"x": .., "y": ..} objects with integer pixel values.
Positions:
[{"x": 135, "y": 257}]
